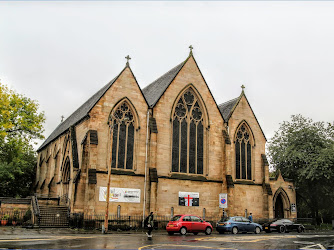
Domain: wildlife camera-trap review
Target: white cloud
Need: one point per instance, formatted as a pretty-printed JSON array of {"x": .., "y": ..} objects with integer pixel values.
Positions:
[{"x": 61, "y": 53}]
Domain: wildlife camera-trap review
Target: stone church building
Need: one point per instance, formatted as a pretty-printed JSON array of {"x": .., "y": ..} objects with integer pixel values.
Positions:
[{"x": 170, "y": 149}]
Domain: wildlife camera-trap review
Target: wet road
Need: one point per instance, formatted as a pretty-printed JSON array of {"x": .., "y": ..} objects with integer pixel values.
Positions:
[{"x": 137, "y": 240}]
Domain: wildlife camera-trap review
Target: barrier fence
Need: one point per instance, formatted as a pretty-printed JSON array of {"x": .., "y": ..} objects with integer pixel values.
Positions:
[
  {"x": 117, "y": 222},
  {"x": 134, "y": 222}
]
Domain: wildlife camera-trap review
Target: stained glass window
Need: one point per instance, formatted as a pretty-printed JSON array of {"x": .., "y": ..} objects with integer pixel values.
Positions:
[
  {"x": 187, "y": 151},
  {"x": 243, "y": 154},
  {"x": 122, "y": 126}
]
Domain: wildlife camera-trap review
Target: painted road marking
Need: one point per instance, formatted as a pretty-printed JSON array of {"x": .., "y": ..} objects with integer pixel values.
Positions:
[
  {"x": 316, "y": 246},
  {"x": 155, "y": 246},
  {"x": 246, "y": 239},
  {"x": 304, "y": 242},
  {"x": 48, "y": 239},
  {"x": 315, "y": 236}
]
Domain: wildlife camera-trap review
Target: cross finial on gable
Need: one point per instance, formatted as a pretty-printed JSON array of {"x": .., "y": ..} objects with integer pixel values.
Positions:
[
  {"x": 243, "y": 87},
  {"x": 191, "y": 49},
  {"x": 128, "y": 58},
  {"x": 62, "y": 118}
]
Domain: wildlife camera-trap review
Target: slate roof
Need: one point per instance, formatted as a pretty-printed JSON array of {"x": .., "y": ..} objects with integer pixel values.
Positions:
[
  {"x": 79, "y": 114},
  {"x": 155, "y": 90},
  {"x": 226, "y": 108},
  {"x": 152, "y": 94}
]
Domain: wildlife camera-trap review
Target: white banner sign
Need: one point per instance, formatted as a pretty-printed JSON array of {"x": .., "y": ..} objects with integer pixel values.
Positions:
[
  {"x": 223, "y": 200},
  {"x": 120, "y": 195},
  {"x": 188, "y": 199}
]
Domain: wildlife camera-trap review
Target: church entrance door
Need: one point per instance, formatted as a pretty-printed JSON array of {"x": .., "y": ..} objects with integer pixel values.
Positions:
[{"x": 279, "y": 208}]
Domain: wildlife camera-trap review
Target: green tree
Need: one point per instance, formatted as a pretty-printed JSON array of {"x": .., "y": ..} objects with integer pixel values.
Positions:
[
  {"x": 20, "y": 124},
  {"x": 303, "y": 151}
]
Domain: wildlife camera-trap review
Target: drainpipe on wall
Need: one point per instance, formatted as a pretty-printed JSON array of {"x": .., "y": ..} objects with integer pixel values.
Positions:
[{"x": 144, "y": 205}]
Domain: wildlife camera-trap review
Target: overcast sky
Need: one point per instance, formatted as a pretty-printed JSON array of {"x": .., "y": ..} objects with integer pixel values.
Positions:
[{"x": 61, "y": 53}]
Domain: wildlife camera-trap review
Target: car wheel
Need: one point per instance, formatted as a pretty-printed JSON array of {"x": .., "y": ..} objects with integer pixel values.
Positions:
[
  {"x": 171, "y": 233},
  {"x": 195, "y": 233},
  {"x": 208, "y": 231},
  {"x": 235, "y": 230},
  {"x": 281, "y": 229},
  {"x": 257, "y": 230},
  {"x": 299, "y": 229},
  {"x": 183, "y": 231}
]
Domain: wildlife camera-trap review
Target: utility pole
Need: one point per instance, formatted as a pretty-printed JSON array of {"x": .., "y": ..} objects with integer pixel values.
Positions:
[{"x": 108, "y": 185}]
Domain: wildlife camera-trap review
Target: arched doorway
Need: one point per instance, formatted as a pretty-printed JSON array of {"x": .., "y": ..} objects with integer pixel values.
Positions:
[
  {"x": 279, "y": 210},
  {"x": 281, "y": 204}
]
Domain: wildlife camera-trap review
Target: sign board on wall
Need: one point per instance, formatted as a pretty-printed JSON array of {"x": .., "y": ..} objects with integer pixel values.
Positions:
[
  {"x": 120, "y": 195},
  {"x": 188, "y": 199},
  {"x": 223, "y": 200},
  {"x": 293, "y": 207}
]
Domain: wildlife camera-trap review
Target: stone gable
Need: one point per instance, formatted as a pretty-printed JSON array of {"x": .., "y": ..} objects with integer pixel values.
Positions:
[{"x": 87, "y": 140}]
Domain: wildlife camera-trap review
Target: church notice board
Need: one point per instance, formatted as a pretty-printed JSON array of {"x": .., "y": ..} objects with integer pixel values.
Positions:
[
  {"x": 120, "y": 195},
  {"x": 189, "y": 199}
]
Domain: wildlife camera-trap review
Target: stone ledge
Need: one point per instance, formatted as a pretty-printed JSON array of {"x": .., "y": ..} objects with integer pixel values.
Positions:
[
  {"x": 189, "y": 178},
  {"x": 247, "y": 183},
  {"x": 120, "y": 172}
]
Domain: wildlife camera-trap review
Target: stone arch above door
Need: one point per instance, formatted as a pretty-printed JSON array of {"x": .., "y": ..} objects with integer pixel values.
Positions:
[{"x": 281, "y": 204}]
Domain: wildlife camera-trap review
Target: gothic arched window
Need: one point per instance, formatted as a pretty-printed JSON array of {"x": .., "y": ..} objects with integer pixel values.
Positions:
[
  {"x": 122, "y": 125},
  {"x": 188, "y": 135},
  {"x": 243, "y": 154},
  {"x": 66, "y": 171}
]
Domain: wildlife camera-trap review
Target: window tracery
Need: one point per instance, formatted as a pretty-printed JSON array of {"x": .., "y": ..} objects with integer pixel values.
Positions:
[
  {"x": 122, "y": 125},
  {"x": 243, "y": 154},
  {"x": 188, "y": 135}
]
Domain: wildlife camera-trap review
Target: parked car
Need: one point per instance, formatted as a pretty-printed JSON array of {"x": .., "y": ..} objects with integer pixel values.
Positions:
[
  {"x": 282, "y": 226},
  {"x": 237, "y": 224},
  {"x": 188, "y": 223}
]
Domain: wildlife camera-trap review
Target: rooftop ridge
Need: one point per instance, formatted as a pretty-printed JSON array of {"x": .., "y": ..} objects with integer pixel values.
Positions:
[{"x": 155, "y": 90}]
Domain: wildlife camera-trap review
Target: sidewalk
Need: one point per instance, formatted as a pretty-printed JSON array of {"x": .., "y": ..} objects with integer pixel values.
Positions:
[
  {"x": 11, "y": 233},
  {"x": 24, "y": 233}
]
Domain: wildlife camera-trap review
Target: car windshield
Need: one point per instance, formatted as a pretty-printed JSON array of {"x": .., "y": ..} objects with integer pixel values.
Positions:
[
  {"x": 224, "y": 219},
  {"x": 175, "y": 218}
]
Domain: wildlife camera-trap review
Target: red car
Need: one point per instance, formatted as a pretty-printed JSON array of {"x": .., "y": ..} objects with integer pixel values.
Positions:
[{"x": 188, "y": 223}]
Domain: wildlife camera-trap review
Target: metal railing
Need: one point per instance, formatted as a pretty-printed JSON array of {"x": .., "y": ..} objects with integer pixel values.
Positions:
[
  {"x": 64, "y": 200},
  {"x": 35, "y": 206},
  {"x": 134, "y": 222},
  {"x": 121, "y": 222}
]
